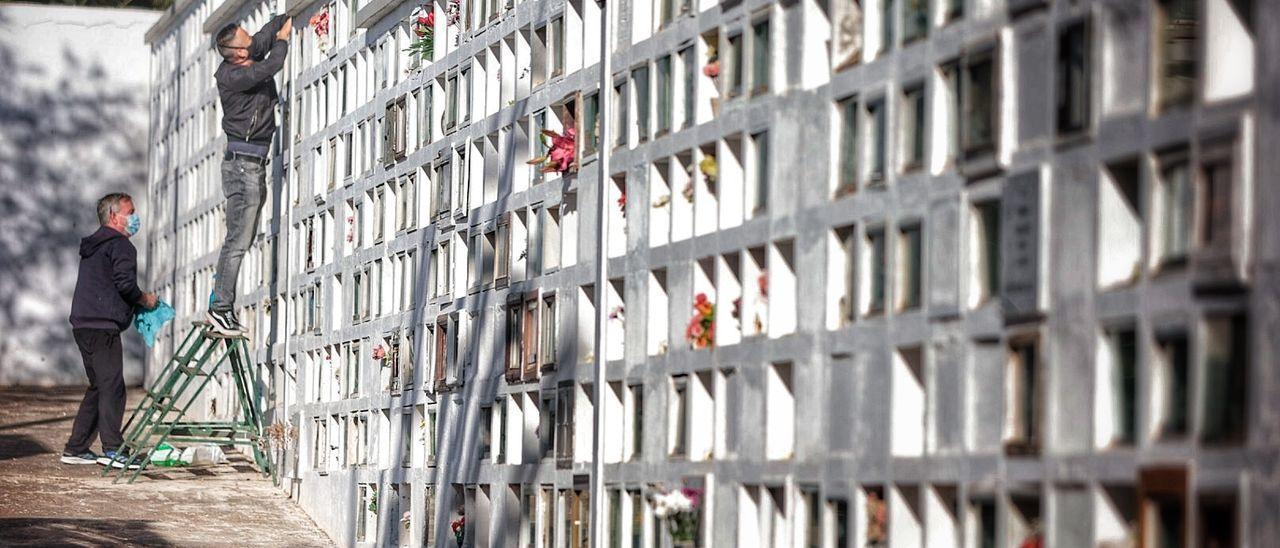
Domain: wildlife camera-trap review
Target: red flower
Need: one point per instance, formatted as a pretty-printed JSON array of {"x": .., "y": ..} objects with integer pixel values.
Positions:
[{"x": 694, "y": 495}]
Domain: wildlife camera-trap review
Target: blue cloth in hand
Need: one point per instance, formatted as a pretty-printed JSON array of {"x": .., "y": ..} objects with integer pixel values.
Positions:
[{"x": 149, "y": 322}]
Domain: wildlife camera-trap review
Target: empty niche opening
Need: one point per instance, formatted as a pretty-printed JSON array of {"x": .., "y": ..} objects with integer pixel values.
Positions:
[
  {"x": 729, "y": 299},
  {"x": 367, "y": 513},
  {"x": 490, "y": 171},
  {"x": 515, "y": 429},
  {"x": 731, "y": 181},
  {"x": 402, "y": 497},
  {"x": 701, "y": 416},
  {"x": 615, "y": 418},
  {"x": 1025, "y": 527},
  {"x": 780, "y": 410},
  {"x": 519, "y": 245},
  {"x": 749, "y": 515},
  {"x": 569, "y": 229},
  {"x": 754, "y": 311},
  {"x": 380, "y": 444},
  {"x": 941, "y": 523},
  {"x": 909, "y": 402},
  {"x": 705, "y": 201},
  {"x": 617, "y": 215},
  {"x": 904, "y": 505},
  {"x": 1170, "y": 386},
  {"x": 678, "y": 417},
  {"x": 1116, "y": 388},
  {"x": 777, "y": 522},
  {"x": 1162, "y": 493},
  {"x": 778, "y": 286},
  {"x": 660, "y": 203},
  {"x": 1023, "y": 410},
  {"x": 980, "y": 516},
  {"x": 727, "y": 393},
  {"x": 586, "y": 323},
  {"x": 1229, "y": 50},
  {"x": 617, "y": 319},
  {"x": 1217, "y": 520},
  {"x": 682, "y": 174},
  {"x": 1115, "y": 516},
  {"x": 1119, "y": 224},
  {"x": 841, "y": 270},
  {"x": 658, "y": 313},
  {"x": 872, "y": 269}
]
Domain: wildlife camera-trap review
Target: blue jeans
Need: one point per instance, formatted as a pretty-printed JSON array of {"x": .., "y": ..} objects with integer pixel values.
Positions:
[{"x": 244, "y": 183}]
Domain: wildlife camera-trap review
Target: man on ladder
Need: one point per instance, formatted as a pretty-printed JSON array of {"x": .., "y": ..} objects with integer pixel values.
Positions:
[{"x": 247, "y": 90}]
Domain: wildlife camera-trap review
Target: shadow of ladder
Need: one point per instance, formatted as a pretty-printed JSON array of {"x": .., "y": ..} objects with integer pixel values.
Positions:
[{"x": 160, "y": 416}]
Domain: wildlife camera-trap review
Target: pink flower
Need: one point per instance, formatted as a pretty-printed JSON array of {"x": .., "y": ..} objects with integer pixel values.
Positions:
[
  {"x": 320, "y": 22},
  {"x": 379, "y": 352},
  {"x": 712, "y": 69}
]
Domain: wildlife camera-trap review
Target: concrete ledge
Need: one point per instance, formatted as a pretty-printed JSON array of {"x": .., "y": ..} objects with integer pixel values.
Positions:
[
  {"x": 373, "y": 12},
  {"x": 166, "y": 21},
  {"x": 222, "y": 15},
  {"x": 294, "y": 7}
]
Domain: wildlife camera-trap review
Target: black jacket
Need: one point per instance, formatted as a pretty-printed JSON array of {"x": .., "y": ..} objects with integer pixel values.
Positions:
[
  {"x": 107, "y": 287},
  {"x": 248, "y": 93}
]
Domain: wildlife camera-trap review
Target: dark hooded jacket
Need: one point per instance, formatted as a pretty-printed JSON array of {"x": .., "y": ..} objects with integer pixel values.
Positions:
[
  {"x": 107, "y": 288},
  {"x": 248, "y": 93}
]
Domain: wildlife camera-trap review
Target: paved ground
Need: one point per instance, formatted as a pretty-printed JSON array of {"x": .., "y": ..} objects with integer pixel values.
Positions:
[{"x": 44, "y": 502}]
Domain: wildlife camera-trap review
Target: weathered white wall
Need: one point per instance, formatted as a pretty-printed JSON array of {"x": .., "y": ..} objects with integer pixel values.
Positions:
[{"x": 73, "y": 126}]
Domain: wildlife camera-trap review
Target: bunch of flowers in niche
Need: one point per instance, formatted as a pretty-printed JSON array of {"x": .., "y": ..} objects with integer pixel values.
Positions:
[
  {"x": 758, "y": 310},
  {"x": 680, "y": 509},
  {"x": 424, "y": 20},
  {"x": 560, "y": 152},
  {"x": 320, "y": 24},
  {"x": 701, "y": 329}
]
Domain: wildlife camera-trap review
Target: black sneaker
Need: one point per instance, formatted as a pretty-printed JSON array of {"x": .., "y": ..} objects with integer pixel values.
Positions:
[
  {"x": 84, "y": 457},
  {"x": 225, "y": 323}
]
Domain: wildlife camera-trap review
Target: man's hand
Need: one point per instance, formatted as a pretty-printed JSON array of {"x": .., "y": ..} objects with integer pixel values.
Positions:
[
  {"x": 149, "y": 300},
  {"x": 284, "y": 30}
]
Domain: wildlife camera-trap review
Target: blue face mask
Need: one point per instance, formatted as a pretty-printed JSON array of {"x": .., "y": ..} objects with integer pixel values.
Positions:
[{"x": 133, "y": 224}]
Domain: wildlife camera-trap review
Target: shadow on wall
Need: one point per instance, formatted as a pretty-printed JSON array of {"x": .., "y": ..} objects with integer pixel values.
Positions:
[{"x": 64, "y": 142}]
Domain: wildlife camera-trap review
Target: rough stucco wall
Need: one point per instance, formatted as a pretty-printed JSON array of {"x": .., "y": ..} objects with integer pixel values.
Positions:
[{"x": 73, "y": 126}]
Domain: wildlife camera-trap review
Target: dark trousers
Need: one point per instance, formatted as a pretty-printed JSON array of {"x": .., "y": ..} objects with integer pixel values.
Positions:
[{"x": 102, "y": 409}]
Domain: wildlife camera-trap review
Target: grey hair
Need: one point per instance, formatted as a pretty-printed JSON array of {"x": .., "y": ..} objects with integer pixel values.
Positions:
[{"x": 110, "y": 205}]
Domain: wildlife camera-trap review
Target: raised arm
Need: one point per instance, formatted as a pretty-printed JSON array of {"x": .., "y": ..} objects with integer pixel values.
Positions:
[
  {"x": 266, "y": 36},
  {"x": 242, "y": 78}
]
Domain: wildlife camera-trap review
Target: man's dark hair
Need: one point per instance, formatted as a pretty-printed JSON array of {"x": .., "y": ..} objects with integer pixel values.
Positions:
[
  {"x": 110, "y": 205},
  {"x": 225, "y": 34}
]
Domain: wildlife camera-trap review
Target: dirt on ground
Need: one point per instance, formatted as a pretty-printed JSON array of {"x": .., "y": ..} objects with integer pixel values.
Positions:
[{"x": 44, "y": 502}]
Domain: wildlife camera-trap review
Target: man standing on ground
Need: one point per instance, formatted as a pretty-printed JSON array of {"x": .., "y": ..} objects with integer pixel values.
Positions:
[
  {"x": 247, "y": 90},
  {"x": 105, "y": 298}
]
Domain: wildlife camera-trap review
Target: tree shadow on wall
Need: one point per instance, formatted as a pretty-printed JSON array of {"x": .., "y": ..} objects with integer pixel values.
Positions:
[{"x": 65, "y": 140}]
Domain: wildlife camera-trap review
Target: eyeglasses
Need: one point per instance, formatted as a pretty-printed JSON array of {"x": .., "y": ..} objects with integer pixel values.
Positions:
[{"x": 224, "y": 46}]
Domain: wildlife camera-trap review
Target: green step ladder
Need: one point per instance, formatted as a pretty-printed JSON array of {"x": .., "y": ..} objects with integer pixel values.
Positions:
[{"x": 160, "y": 416}]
